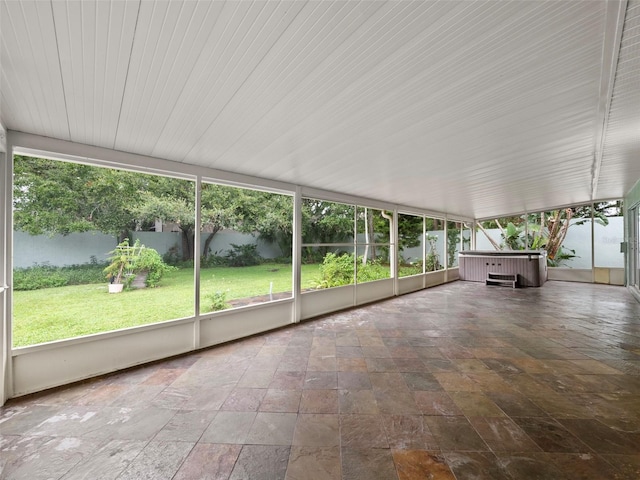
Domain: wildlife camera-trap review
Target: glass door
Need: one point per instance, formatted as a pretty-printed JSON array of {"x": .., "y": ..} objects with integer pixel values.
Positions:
[
  {"x": 5, "y": 212},
  {"x": 635, "y": 239},
  {"x": 633, "y": 247}
]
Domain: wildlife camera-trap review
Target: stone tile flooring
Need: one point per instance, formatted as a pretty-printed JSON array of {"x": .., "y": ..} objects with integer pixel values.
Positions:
[{"x": 460, "y": 381}]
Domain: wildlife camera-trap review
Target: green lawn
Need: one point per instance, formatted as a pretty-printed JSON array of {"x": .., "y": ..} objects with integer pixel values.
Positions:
[{"x": 65, "y": 312}]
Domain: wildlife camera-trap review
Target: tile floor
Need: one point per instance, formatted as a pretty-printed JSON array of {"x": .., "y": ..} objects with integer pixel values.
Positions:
[{"x": 460, "y": 381}]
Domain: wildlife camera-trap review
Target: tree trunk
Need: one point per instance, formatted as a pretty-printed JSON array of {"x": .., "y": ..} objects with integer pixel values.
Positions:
[
  {"x": 495, "y": 244},
  {"x": 207, "y": 242},
  {"x": 187, "y": 245},
  {"x": 123, "y": 234}
]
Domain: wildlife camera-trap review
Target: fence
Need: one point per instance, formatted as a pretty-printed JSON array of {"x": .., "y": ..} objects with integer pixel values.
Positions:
[
  {"x": 606, "y": 246},
  {"x": 80, "y": 248}
]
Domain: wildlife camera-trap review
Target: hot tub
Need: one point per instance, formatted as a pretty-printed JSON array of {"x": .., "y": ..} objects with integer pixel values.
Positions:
[{"x": 530, "y": 266}]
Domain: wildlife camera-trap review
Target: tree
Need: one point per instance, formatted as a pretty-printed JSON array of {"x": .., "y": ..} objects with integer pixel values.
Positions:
[
  {"x": 409, "y": 231},
  {"x": 548, "y": 230},
  {"x": 325, "y": 223},
  {"x": 170, "y": 200},
  {"x": 52, "y": 197},
  {"x": 275, "y": 222}
]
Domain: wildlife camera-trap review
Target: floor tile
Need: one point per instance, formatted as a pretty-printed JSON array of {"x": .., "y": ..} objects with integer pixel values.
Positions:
[
  {"x": 475, "y": 404},
  {"x": 584, "y": 466},
  {"x": 398, "y": 402},
  {"x": 536, "y": 466},
  {"x": 244, "y": 400},
  {"x": 319, "y": 401},
  {"x": 352, "y": 364},
  {"x": 157, "y": 460},
  {"x": 503, "y": 435},
  {"x": 436, "y": 403},
  {"x": 627, "y": 467},
  {"x": 354, "y": 381},
  {"x": 441, "y": 381},
  {"x": 408, "y": 432},
  {"x": 186, "y": 426},
  {"x": 551, "y": 436},
  {"x": 455, "y": 434},
  {"x": 362, "y": 431},
  {"x": 256, "y": 379},
  {"x": 261, "y": 462},
  {"x": 108, "y": 461},
  {"x": 272, "y": 429},
  {"x": 357, "y": 401},
  {"x": 229, "y": 427},
  {"x": 422, "y": 381},
  {"x": 476, "y": 466},
  {"x": 368, "y": 464},
  {"x": 314, "y": 463},
  {"x": 419, "y": 464},
  {"x": 322, "y": 364},
  {"x": 602, "y": 438},
  {"x": 209, "y": 461},
  {"x": 317, "y": 430},
  {"x": 515, "y": 404},
  {"x": 45, "y": 457},
  {"x": 321, "y": 380},
  {"x": 283, "y": 401}
]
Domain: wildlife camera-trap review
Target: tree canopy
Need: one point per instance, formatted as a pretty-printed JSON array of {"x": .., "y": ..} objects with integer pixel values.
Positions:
[
  {"x": 58, "y": 198},
  {"x": 52, "y": 197}
]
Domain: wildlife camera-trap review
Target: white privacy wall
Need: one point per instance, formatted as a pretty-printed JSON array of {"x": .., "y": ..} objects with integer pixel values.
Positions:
[
  {"x": 81, "y": 248},
  {"x": 606, "y": 244}
]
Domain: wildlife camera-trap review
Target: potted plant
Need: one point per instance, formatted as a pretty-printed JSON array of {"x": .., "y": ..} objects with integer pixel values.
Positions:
[
  {"x": 129, "y": 261},
  {"x": 122, "y": 261}
]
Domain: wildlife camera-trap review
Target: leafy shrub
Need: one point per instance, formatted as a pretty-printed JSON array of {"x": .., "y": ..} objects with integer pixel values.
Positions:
[
  {"x": 410, "y": 269},
  {"x": 336, "y": 270},
  {"x": 121, "y": 261},
  {"x": 129, "y": 260},
  {"x": 213, "y": 260},
  {"x": 243, "y": 255},
  {"x": 372, "y": 270},
  {"x": 48, "y": 276},
  {"x": 218, "y": 301},
  {"x": 150, "y": 261},
  {"x": 172, "y": 256}
]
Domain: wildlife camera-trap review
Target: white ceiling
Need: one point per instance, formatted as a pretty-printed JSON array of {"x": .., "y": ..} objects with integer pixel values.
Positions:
[{"x": 473, "y": 108}]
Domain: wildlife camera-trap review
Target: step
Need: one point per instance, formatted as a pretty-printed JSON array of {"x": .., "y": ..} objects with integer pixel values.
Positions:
[{"x": 502, "y": 279}]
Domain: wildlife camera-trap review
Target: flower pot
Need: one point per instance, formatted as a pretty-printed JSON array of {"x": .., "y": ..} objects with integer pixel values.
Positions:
[
  {"x": 116, "y": 287},
  {"x": 139, "y": 280}
]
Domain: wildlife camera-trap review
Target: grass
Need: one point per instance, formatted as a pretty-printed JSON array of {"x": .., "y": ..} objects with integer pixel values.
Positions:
[{"x": 66, "y": 312}]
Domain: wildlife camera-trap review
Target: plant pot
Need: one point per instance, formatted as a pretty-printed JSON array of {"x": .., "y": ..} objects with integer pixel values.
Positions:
[
  {"x": 140, "y": 279},
  {"x": 116, "y": 287}
]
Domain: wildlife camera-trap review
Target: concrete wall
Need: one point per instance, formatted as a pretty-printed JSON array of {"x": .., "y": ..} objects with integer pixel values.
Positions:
[{"x": 80, "y": 248}]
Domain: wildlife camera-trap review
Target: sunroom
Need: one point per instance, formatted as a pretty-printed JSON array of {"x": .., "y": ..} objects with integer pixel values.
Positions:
[{"x": 380, "y": 138}]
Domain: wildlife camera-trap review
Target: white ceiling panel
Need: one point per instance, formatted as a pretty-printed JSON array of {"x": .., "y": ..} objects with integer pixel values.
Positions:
[
  {"x": 475, "y": 108},
  {"x": 620, "y": 167},
  {"x": 94, "y": 43},
  {"x": 31, "y": 90}
]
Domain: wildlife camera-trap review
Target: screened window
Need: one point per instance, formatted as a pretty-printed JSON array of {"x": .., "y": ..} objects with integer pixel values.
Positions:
[
  {"x": 434, "y": 237},
  {"x": 373, "y": 240},
  {"x": 81, "y": 232},
  {"x": 608, "y": 234},
  {"x": 328, "y": 247},
  {"x": 411, "y": 245},
  {"x": 246, "y": 238}
]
